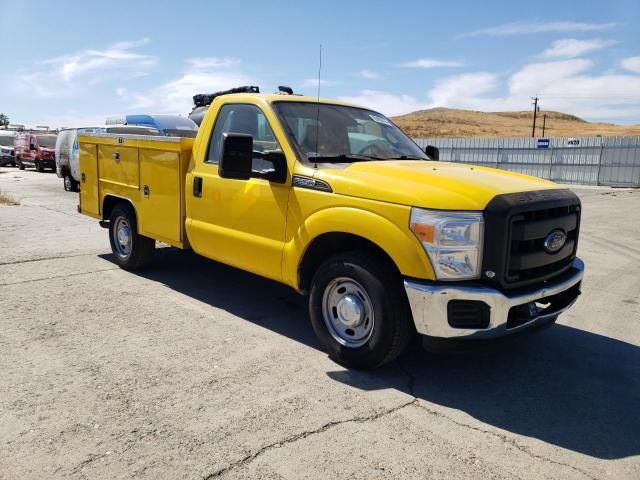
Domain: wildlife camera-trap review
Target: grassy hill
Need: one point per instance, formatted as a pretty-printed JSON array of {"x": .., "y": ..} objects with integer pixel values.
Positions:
[{"x": 449, "y": 122}]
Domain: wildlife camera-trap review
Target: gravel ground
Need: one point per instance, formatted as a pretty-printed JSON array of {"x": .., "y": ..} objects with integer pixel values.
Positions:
[{"x": 192, "y": 369}]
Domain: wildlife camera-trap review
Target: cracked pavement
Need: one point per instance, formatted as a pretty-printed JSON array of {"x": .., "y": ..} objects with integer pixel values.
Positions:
[{"x": 196, "y": 370}]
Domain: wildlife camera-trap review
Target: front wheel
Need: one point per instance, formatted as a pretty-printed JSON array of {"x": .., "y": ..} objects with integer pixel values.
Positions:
[
  {"x": 359, "y": 310},
  {"x": 131, "y": 250},
  {"x": 38, "y": 166},
  {"x": 20, "y": 164}
]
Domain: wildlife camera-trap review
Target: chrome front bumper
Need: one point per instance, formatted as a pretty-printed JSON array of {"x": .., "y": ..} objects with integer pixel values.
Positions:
[{"x": 429, "y": 305}]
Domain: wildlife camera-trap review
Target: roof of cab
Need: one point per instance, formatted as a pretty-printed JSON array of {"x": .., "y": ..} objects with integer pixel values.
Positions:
[{"x": 275, "y": 97}]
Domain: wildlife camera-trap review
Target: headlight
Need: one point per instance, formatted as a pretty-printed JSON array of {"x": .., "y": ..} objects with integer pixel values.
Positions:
[{"x": 453, "y": 241}]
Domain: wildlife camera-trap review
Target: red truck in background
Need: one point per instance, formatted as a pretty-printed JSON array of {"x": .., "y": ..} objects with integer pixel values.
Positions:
[{"x": 35, "y": 150}]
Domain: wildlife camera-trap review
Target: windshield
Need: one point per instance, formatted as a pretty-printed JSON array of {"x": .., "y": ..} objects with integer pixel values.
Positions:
[
  {"x": 335, "y": 133},
  {"x": 47, "y": 141},
  {"x": 6, "y": 141}
]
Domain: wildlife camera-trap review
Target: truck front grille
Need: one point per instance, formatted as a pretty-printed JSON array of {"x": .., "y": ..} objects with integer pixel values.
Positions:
[
  {"x": 528, "y": 258},
  {"x": 516, "y": 226}
]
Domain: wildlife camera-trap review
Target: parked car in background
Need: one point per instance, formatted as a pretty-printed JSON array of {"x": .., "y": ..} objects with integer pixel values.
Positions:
[
  {"x": 35, "y": 150},
  {"x": 7, "y": 151},
  {"x": 67, "y": 154},
  {"x": 169, "y": 125}
]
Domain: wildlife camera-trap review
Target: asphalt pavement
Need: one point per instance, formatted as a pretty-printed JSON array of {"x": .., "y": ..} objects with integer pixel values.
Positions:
[{"x": 192, "y": 369}]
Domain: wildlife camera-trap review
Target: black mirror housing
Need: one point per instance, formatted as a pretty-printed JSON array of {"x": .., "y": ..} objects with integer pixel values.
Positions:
[
  {"x": 279, "y": 162},
  {"x": 237, "y": 156},
  {"x": 432, "y": 152}
]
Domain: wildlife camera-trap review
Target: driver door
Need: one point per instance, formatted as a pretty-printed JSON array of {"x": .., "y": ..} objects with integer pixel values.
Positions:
[{"x": 239, "y": 222}]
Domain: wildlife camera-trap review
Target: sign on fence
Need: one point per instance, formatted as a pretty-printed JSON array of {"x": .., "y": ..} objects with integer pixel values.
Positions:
[{"x": 543, "y": 143}]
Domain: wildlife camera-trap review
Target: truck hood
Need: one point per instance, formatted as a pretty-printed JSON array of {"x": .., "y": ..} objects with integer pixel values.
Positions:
[{"x": 437, "y": 185}]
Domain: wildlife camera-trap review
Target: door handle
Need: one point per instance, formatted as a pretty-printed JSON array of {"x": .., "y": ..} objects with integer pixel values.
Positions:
[
  {"x": 197, "y": 187},
  {"x": 145, "y": 191}
]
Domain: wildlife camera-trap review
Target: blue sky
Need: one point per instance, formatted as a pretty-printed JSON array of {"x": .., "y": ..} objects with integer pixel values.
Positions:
[{"x": 71, "y": 62}]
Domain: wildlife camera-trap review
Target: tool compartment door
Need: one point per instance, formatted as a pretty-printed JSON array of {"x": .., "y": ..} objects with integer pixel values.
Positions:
[
  {"x": 161, "y": 200},
  {"x": 119, "y": 165},
  {"x": 89, "y": 200}
]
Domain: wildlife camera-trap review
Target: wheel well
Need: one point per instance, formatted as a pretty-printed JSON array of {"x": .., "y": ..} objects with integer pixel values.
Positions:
[
  {"x": 329, "y": 244},
  {"x": 111, "y": 201}
]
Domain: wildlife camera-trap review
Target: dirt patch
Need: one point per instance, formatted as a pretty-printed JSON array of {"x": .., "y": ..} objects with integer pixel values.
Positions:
[{"x": 7, "y": 200}]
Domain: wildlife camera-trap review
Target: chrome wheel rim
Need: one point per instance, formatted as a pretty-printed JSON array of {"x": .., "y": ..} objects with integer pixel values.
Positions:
[
  {"x": 122, "y": 237},
  {"x": 347, "y": 312}
]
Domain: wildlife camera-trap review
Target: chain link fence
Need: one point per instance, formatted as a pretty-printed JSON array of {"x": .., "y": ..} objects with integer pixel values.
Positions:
[{"x": 612, "y": 161}]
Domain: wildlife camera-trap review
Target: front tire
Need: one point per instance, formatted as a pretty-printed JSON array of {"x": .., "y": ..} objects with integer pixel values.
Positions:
[
  {"x": 38, "y": 166},
  {"x": 359, "y": 310},
  {"x": 131, "y": 250},
  {"x": 20, "y": 164}
]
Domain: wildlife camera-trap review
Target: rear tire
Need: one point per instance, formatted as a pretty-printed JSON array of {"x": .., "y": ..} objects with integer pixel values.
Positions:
[
  {"x": 68, "y": 183},
  {"x": 359, "y": 310},
  {"x": 131, "y": 250},
  {"x": 38, "y": 166}
]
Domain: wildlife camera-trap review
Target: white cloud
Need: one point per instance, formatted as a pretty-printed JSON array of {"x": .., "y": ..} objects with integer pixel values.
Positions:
[
  {"x": 201, "y": 75},
  {"x": 313, "y": 82},
  {"x": 385, "y": 102},
  {"x": 566, "y": 85},
  {"x": 571, "y": 47},
  {"x": 632, "y": 64},
  {"x": 117, "y": 56},
  {"x": 432, "y": 63},
  {"x": 462, "y": 89},
  {"x": 67, "y": 74},
  {"x": 203, "y": 63},
  {"x": 369, "y": 75},
  {"x": 528, "y": 27}
]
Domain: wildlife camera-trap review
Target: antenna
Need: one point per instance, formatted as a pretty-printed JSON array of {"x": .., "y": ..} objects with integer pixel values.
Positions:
[{"x": 318, "y": 104}]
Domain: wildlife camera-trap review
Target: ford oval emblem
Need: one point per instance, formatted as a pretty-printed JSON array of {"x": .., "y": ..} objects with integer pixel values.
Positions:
[{"x": 555, "y": 241}]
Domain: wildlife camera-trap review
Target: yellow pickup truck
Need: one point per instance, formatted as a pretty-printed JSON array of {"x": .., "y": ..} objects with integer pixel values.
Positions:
[{"x": 337, "y": 202}]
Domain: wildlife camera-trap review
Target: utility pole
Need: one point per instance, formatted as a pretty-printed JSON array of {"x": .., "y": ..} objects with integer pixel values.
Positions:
[
  {"x": 544, "y": 123},
  {"x": 535, "y": 111}
]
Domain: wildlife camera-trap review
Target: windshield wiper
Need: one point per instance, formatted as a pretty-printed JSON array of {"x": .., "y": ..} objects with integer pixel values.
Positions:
[
  {"x": 406, "y": 157},
  {"x": 343, "y": 158}
]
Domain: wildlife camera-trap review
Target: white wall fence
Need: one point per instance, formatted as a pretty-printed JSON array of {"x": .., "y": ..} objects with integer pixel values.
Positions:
[{"x": 613, "y": 161}]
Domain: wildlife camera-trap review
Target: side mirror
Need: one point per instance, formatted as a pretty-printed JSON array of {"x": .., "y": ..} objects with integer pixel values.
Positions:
[
  {"x": 237, "y": 156},
  {"x": 278, "y": 173},
  {"x": 432, "y": 152}
]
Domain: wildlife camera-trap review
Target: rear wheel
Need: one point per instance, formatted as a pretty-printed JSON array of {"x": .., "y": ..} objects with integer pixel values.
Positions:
[
  {"x": 69, "y": 183},
  {"x": 359, "y": 310},
  {"x": 131, "y": 250},
  {"x": 38, "y": 166}
]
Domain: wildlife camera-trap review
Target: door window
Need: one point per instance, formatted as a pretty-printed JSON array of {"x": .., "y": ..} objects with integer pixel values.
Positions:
[{"x": 247, "y": 119}]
